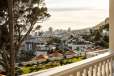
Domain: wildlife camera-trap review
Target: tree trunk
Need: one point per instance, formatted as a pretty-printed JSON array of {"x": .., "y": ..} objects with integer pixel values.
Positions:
[{"x": 11, "y": 32}]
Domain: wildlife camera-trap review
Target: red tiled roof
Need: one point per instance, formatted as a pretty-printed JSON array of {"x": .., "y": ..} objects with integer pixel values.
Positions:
[
  {"x": 40, "y": 57},
  {"x": 56, "y": 54}
]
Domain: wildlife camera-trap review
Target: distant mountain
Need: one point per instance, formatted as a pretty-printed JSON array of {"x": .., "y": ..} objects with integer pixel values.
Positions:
[{"x": 103, "y": 23}]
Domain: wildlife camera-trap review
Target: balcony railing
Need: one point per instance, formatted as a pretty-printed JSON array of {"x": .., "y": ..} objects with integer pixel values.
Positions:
[{"x": 100, "y": 65}]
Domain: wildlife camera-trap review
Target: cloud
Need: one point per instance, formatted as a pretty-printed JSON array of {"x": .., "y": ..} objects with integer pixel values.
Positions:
[
  {"x": 98, "y": 4},
  {"x": 76, "y": 14},
  {"x": 72, "y": 9},
  {"x": 76, "y": 19}
]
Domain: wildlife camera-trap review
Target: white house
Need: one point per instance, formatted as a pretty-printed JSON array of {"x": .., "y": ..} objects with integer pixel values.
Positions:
[
  {"x": 81, "y": 46},
  {"x": 37, "y": 53}
]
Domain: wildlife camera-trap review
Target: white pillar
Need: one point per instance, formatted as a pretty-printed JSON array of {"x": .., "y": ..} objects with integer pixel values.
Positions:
[{"x": 111, "y": 18}]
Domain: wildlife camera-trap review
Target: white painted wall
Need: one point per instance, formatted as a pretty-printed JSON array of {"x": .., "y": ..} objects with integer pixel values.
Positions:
[{"x": 111, "y": 20}]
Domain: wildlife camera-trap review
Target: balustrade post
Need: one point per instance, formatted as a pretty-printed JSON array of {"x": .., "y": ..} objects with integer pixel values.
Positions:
[
  {"x": 95, "y": 70},
  {"x": 107, "y": 67},
  {"x": 84, "y": 72},
  {"x": 103, "y": 69},
  {"x": 110, "y": 67},
  {"x": 79, "y": 73},
  {"x": 99, "y": 69},
  {"x": 90, "y": 72}
]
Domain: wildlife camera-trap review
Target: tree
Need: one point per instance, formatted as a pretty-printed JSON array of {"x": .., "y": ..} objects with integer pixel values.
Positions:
[
  {"x": 11, "y": 38},
  {"x": 26, "y": 55},
  {"x": 53, "y": 40},
  {"x": 97, "y": 37},
  {"x": 26, "y": 16}
]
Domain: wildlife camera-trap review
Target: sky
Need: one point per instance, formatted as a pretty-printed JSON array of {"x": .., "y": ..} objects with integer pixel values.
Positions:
[{"x": 76, "y": 14}]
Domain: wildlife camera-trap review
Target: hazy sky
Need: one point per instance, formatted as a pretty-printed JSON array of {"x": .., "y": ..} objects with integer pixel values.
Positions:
[
  {"x": 76, "y": 14},
  {"x": 99, "y": 4}
]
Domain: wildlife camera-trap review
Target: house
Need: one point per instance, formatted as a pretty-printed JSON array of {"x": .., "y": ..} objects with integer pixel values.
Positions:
[
  {"x": 81, "y": 46},
  {"x": 56, "y": 56},
  {"x": 34, "y": 42},
  {"x": 40, "y": 58},
  {"x": 42, "y": 52},
  {"x": 70, "y": 54}
]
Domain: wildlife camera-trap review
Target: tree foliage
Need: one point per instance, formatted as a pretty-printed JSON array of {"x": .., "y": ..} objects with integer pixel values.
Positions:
[
  {"x": 97, "y": 37},
  {"x": 53, "y": 40},
  {"x": 27, "y": 16}
]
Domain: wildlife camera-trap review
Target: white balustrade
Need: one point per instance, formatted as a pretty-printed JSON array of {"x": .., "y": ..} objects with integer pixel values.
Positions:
[{"x": 100, "y": 65}]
